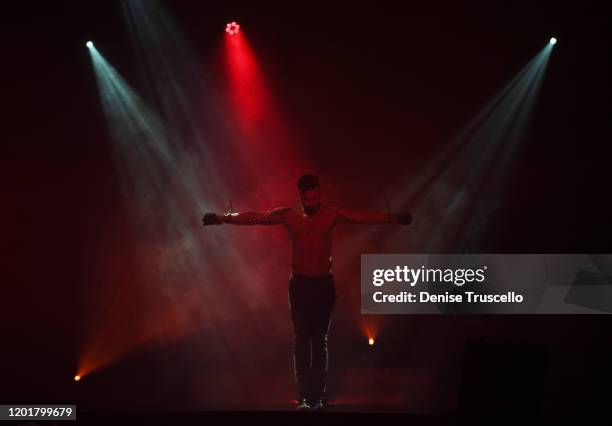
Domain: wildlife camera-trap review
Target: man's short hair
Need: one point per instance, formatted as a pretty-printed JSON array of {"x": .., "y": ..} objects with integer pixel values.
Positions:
[{"x": 307, "y": 182}]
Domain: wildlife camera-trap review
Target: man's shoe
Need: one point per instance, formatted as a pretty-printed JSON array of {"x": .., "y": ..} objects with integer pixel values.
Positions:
[
  {"x": 321, "y": 405},
  {"x": 303, "y": 405}
]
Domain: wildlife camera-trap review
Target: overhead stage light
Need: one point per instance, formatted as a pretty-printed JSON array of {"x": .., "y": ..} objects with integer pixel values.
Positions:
[
  {"x": 89, "y": 44},
  {"x": 553, "y": 40},
  {"x": 232, "y": 28}
]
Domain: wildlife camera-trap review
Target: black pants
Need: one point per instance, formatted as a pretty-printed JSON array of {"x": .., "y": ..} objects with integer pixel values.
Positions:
[{"x": 311, "y": 301}]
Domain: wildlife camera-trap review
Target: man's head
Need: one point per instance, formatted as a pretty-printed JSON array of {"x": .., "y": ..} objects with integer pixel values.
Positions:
[{"x": 308, "y": 186}]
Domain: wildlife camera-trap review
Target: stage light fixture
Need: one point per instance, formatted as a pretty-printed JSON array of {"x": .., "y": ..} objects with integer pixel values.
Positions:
[
  {"x": 232, "y": 28},
  {"x": 371, "y": 341},
  {"x": 553, "y": 41},
  {"x": 89, "y": 44},
  {"x": 77, "y": 378}
]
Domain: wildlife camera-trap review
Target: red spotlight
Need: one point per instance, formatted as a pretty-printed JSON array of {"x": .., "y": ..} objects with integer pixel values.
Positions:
[{"x": 232, "y": 28}]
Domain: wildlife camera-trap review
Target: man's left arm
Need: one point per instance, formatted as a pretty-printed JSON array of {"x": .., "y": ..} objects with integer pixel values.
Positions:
[{"x": 370, "y": 218}]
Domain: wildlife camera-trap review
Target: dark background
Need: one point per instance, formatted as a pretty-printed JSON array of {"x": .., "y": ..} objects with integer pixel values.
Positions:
[{"x": 341, "y": 73}]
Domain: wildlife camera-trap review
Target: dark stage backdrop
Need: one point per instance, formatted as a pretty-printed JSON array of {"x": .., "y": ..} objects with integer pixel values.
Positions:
[{"x": 369, "y": 95}]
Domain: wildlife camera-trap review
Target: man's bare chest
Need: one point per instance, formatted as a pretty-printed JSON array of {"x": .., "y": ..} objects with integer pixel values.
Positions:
[{"x": 320, "y": 224}]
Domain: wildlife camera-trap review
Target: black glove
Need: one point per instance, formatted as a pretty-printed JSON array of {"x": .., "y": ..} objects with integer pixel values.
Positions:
[
  {"x": 210, "y": 219},
  {"x": 404, "y": 218}
]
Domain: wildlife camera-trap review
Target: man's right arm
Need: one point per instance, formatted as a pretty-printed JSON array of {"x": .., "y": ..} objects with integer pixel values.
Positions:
[{"x": 271, "y": 217}]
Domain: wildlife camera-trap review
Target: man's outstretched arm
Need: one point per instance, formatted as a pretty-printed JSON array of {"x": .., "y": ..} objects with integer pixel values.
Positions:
[
  {"x": 370, "y": 218},
  {"x": 271, "y": 217}
]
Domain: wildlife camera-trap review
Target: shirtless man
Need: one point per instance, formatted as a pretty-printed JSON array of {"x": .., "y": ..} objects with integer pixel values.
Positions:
[{"x": 312, "y": 291}]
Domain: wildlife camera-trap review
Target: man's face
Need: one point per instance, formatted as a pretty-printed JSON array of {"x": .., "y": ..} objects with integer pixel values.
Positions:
[{"x": 310, "y": 201}]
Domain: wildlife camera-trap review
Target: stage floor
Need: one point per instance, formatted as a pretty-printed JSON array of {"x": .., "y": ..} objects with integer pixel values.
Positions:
[{"x": 349, "y": 391}]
